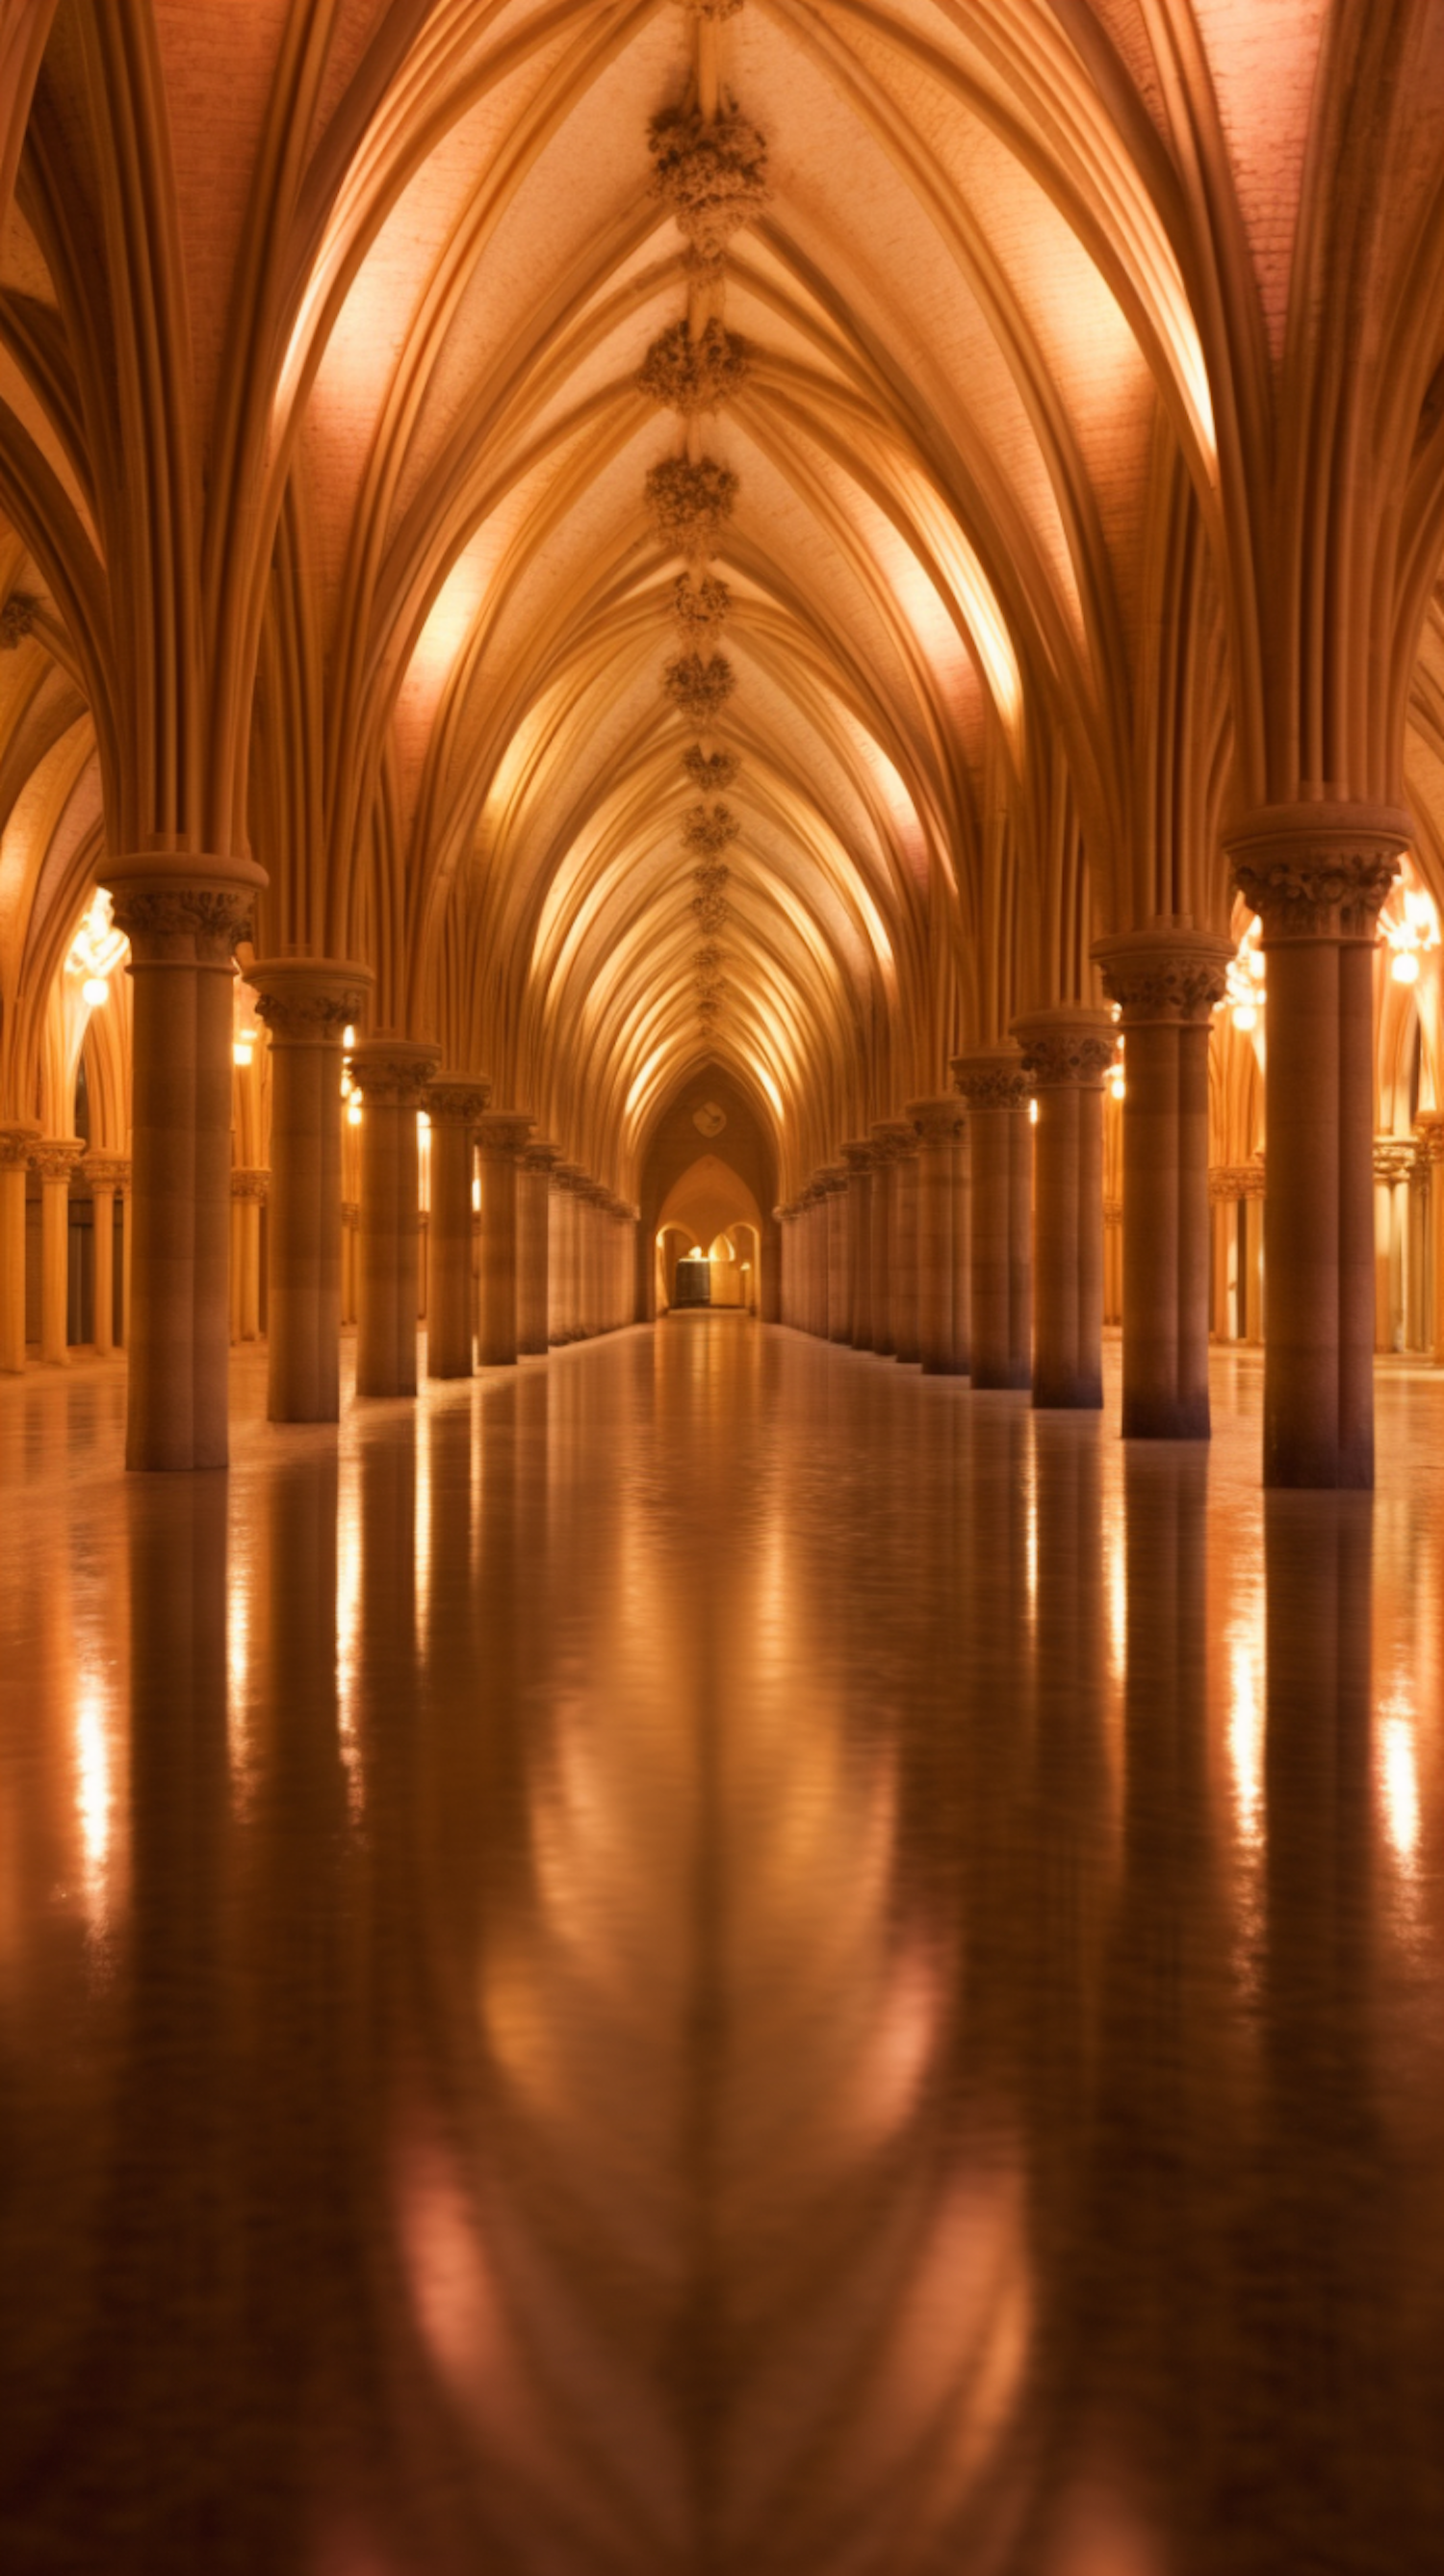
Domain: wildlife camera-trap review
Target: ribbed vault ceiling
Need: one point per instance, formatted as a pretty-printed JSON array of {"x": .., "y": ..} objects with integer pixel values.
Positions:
[{"x": 975, "y": 380}]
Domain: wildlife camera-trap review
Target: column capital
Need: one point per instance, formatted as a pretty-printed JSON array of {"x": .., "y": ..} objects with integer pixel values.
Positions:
[
  {"x": 936, "y": 1120},
  {"x": 1318, "y": 872},
  {"x": 108, "y": 1171},
  {"x": 250, "y": 1181},
  {"x": 1112, "y": 1212},
  {"x": 1070, "y": 1044},
  {"x": 394, "y": 1070},
  {"x": 16, "y": 1142},
  {"x": 55, "y": 1157},
  {"x": 1429, "y": 1134},
  {"x": 1165, "y": 973},
  {"x": 504, "y": 1131},
  {"x": 1225, "y": 1184},
  {"x": 859, "y": 1155},
  {"x": 1393, "y": 1158},
  {"x": 831, "y": 1179},
  {"x": 307, "y": 1000},
  {"x": 183, "y": 907},
  {"x": 991, "y": 1077},
  {"x": 542, "y": 1156},
  {"x": 461, "y": 1096},
  {"x": 896, "y": 1138}
]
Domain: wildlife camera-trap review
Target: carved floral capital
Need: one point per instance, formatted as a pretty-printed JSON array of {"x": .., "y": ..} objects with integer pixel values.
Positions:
[
  {"x": 1318, "y": 872},
  {"x": 250, "y": 1181},
  {"x": 308, "y": 1001},
  {"x": 503, "y": 1132},
  {"x": 16, "y": 1144},
  {"x": 394, "y": 1072},
  {"x": 938, "y": 1121},
  {"x": 1164, "y": 974},
  {"x": 461, "y": 1097},
  {"x": 108, "y": 1171},
  {"x": 55, "y": 1157},
  {"x": 993, "y": 1078},
  {"x": 1066, "y": 1048}
]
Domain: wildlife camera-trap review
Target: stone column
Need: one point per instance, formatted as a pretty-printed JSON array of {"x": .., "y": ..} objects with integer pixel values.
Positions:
[
  {"x": 55, "y": 1158},
  {"x": 858, "y": 1158},
  {"x": 895, "y": 1330},
  {"x": 182, "y": 917},
  {"x": 249, "y": 1186},
  {"x": 1317, "y": 877},
  {"x": 837, "y": 1255},
  {"x": 962, "y": 1164},
  {"x": 1431, "y": 1156},
  {"x": 350, "y": 1227},
  {"x": 1393, "y": 1164},
  {"x": 455, "y": 1103},
  {"x": 566, "y": 1178},
  {"x": 884, "y": 1232},
  {"x": 17, "y": 1142},
  {"x": 1166, "y": 977},
  {"x": 1067, "y": 1051},
  {"x": 1255, "y": 1194},
  {"x": 106, "y": 1174},
  {"x": 1225, "y": 1189},
  {"x": 937, "y": 1122},
  {"x": 995, "y": 1087},
  {"x": 1113, "y": 1261},
  {"x": 534, "y": 1192},
  {"x": 501, "y": 1137},
  {"x": 391, "y": 1075},
  {"x": 306, "y": 1003}
]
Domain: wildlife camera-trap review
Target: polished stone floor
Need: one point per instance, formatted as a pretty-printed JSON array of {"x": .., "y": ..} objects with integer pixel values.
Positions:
[{"x": 709, "y": 1959}]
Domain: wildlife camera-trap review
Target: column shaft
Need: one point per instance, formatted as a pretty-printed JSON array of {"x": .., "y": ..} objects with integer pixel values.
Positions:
[
  {"x": 1067, "y": 1051},
  {"x": 937, "y": 1122},
  {"x": 1166, "y": 977},
  {"x": 15, "y": 1145},
  {"x": 182, "y": 933},
  {"x": 501, "y": 1137},
  {"x": 306, "y": 1004},
  {"x": 1317, "y": 877},
  {"x": 1000, "y": 1141},
  {"x": 392, "y": 1077},
  {"x": 455, "y": 1103},
  {"x": 55, "y": 1159}
]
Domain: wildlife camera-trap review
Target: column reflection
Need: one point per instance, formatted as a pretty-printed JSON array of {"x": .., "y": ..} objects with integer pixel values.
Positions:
[{"x": 798, "y": 1975}]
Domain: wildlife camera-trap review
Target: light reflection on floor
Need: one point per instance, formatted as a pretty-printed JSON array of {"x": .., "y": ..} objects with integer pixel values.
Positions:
[{"x": 709, "y": 1956}]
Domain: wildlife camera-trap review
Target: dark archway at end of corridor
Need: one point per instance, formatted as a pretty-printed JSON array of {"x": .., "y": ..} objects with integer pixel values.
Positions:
[{"x": 711, "y": 1120}]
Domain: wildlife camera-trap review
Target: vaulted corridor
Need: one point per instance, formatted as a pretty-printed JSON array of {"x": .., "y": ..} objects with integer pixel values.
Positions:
[{"x": 711, "y": 1955}]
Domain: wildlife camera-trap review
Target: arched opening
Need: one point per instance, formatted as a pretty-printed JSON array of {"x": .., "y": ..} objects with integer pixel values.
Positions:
[
  {"x": 708, "y": 1185},
  {"x": 709, "y": 1222}
]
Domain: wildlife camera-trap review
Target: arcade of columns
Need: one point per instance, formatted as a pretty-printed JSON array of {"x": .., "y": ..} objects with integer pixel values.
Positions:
[{"x": 1085, "y": 641}]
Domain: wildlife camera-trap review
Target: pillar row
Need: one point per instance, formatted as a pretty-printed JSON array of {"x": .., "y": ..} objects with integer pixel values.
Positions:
[
  {"x": 183, "y": 917},
  {"x": 995, "y": 1087},
  {"x": 391, "y": 1075},
  {"x": 1166, "y": 978},
  {"x": 1066, "y": 1053},
  {"x": 306, "y": 1003},
  {"x": 1431, "y": 1156}
]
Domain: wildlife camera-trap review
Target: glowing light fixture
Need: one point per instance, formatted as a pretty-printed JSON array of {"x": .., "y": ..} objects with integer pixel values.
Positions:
[
  {"x": 1033, "y": 1113},
  {"x": 96, "y": 950},
  {"x": 244, "y": 1048},
  {"x": 1116, "y": 1084},
  {"x": 95, "y": 990},
  {"x": 1410, "y": 933},
  {"x": 353, "y": 1113}
]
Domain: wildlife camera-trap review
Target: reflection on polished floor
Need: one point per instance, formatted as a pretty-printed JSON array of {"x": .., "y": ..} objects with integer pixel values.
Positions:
[{"x": 709, "y": 1956}]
